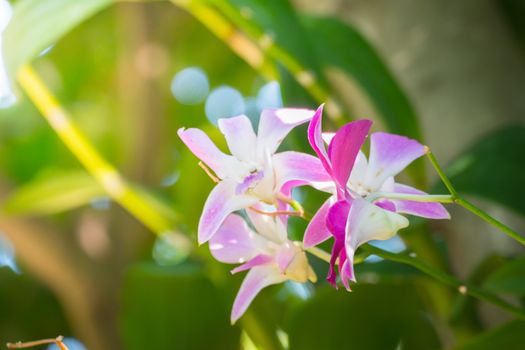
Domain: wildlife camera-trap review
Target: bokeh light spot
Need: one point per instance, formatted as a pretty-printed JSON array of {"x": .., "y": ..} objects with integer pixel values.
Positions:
[
  {"x": 190, "y": 86},
  {"x": 269, "y": 96},
  {"x": 224, "y": 102}
]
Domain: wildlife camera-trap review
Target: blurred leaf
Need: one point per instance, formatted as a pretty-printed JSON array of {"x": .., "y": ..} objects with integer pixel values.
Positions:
[
  {"x": 514, "y": 11},
  {"x": 510, "y": 278},
  {"x": 174, "y": 308},
  {"x": 494, "y": 168},
  {"x": 37, "y": 24},
  {"x": 510, "y": 336},
  {"x": 54, "y": 193},
  {"x": 339, "y": 320},
  {"x": 29, "y": 309},
  {"x": 340, "y": 45}
]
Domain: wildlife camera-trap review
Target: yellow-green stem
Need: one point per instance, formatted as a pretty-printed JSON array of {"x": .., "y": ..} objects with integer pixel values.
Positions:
[{"x": 108, "y": 177}]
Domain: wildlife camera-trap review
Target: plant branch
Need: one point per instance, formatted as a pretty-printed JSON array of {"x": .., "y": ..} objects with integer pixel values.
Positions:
[
  {"x": 471, "y": 207},
  {"x": 143, "y": 207},
  {"x": 445, "y": 278}
]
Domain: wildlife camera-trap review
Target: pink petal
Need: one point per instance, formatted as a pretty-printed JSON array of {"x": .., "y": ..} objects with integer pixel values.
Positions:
[
  {"x": 315, "y": 137},
  {"x": 234, "y": 242},
  {"x": 346, "y": 270},
  {"x": 389, "y": 155},
  {"x": 426, "y": 210},
  {"x": 261, "y": 259},
  {"x": 299, "y": 168},
  {"x": 221, "y": 202},
  {"x": 275, "y": 124},
  {"x": 337, "y": 218},
  {"x": 257, "y": 278},
  {"x": 367, "y": 222},
  {"x": 317, "y": 231},
  {"x": 267, "y": 226},
  {"x": 200, "y": 144},
  {"x": 240, "y": 137},
  {"x": 345, "y": 147}
]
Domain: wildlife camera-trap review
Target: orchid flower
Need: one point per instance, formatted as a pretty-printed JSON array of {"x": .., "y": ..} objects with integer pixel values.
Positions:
[
  {"x": 254, "y": 172},
  {"x": 6, "y": 95},
  {"x": 267, "y": 253},
  {"x": 357, "y": 212}
]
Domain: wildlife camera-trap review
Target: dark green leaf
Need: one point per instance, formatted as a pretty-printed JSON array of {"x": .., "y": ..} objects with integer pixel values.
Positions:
[
  {"x": 494, "y": 168},
  {"x": 510, "y": 336},
  {"x": 174, "y": 308},
  {"x": 340, "y": 45},
  {"x": 385, "y": 316},
  {"x": 510, "y": 278}
]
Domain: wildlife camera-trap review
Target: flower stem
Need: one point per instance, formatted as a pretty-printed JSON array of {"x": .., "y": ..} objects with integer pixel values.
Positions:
[
  {"x": 441, "y": 173},
  {"x": 501, "y": 226},
  {"x": 443, "y": 277},
  {"x": 151, "y": 212},
  {"x": 21, "y": 345},
  {"x": 471, "y": 207},
  {"x": 440, "y": 198}
]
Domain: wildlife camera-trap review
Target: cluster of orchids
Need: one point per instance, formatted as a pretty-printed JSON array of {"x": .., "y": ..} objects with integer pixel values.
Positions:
[{"x": 255, "y": 180}]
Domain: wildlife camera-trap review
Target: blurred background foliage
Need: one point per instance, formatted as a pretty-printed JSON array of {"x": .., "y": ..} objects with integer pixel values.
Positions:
[{"x": 450, "y": 74}]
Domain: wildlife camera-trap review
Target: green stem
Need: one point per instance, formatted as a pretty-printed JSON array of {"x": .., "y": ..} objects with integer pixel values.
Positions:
[
  {"x": 471, "y": 207},
  {"x": 440, "y": 198},
  {"x": 443, "y": 277},
  {"x": 480, "y": 213},
  {"x": 152, "y": 213},
  {"x": 441, "y": 173}
]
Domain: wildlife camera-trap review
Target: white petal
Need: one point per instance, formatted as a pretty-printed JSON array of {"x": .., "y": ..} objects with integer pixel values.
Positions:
[{"x": 240, "y": 137}]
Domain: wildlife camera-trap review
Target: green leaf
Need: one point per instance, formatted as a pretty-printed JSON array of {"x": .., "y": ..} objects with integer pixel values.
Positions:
[
  {"x": 340, "y": 45},
  {"x": 54, "y": 193},
  {"x": 494, "y": 168},
  {"x": 510, "y": 278},
  {"x": 382, "y": 316},
  {"x": 510, "y": 336},
  {"x": 38, "y": 24},
  {"x": 174, "y": 308}
]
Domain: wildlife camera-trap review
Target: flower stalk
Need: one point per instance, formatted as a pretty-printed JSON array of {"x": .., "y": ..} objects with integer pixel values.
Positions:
[
  {"x": 143, "y": 207},
  {"x": 471, "y": 207}
]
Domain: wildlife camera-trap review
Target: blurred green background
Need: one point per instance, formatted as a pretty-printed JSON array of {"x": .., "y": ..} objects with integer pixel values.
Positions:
[{"x": 448, "y": 73}]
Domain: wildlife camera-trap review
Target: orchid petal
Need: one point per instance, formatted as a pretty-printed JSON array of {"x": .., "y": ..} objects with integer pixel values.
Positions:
[
  {"x": 270, "y": 227},
  {"x": 275, "y": 124},
  {"x": 317, "y": 231},
  {"x": 357, "y": 176},
  {"x": 200, "y": 144},
  {"x": 315, "y": 138},
  {"x": 389, "y": 155},
  {"x": 345, "y": 147},
  {"x": 293, "y": 263},
  {"x": 249, "y": 181},
  {"x": 337, "y": 218},
  {"x": 261, "y": 259},
  {"x": 301, "y": 168},
  {"x": 366, "y": 222},
  {"x": 221, "y": 202},
  {"x": 234, "y": 242},
  {"x": 423, "y": 209},
  {"x": 257, "y": 278},
  {"x": 240, "y": 137}
]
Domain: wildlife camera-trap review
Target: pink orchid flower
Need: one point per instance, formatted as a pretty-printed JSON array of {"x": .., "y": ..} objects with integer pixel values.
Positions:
[
  {"x": 254, "y": 172},
  {"x": 358, "y": 211},
  {"x": 267, "y": 253}
]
